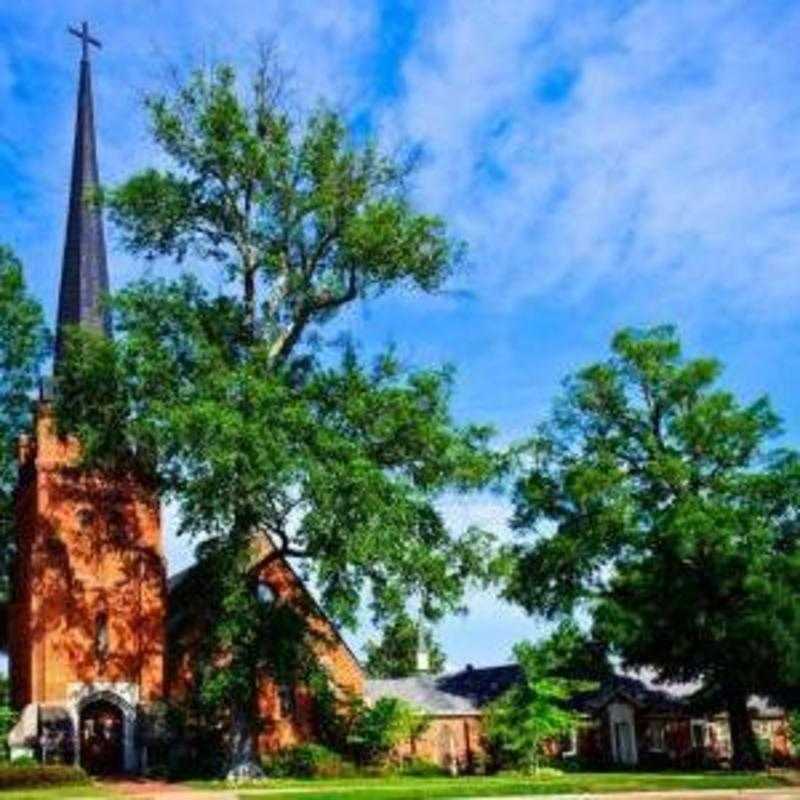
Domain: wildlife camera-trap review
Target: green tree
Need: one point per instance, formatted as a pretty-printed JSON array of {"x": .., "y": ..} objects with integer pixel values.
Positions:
[
  {"x": 536, "y": 709},
  {"x": 656, "y": 506},
  {"x": 23, "y": 345},
  {"x": 378, "y": 728},
  {"x": 229, "y": 402},
  {"x": 395, "y": 655},
  {"x": 8, "y": 717}
]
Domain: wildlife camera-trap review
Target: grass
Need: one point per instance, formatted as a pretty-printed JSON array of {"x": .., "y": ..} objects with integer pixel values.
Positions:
[
  {"x": 406, "y": 788},
  {"x": 55, "y": 793}
]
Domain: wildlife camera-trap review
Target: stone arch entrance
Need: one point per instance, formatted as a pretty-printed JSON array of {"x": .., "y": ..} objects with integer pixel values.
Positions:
[{"x": 106, "y": 726}]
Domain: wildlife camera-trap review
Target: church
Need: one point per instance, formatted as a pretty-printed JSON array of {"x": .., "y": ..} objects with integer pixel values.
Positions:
[{"x": 91, "y": 604}]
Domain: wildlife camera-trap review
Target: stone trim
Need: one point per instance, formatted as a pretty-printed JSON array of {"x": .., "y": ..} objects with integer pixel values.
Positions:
[{"x": 124, "y": 696}]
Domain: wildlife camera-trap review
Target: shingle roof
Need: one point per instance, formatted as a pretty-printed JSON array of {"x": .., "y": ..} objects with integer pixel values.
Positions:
[
  {"x": 468, "y": 690},
  {"x": 423, "y": 692},
  {"x": 656, "y": 701},
  {"x": 463, "y": 692}
]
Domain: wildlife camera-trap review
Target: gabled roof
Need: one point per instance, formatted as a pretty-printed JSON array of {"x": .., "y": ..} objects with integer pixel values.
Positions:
[
  {"x": 463, "y": 692},
  {"x": 631, "y": 690},
  {"x": 469, "y": 690},
  {"x": 187, "y": 584}
]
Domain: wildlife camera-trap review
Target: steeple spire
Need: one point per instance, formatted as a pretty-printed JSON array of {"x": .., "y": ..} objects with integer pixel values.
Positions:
[{"x": 84, "y": 272}]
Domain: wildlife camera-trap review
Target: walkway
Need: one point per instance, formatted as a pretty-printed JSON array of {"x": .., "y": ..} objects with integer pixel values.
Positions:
[{"x": 158, "y": 790}]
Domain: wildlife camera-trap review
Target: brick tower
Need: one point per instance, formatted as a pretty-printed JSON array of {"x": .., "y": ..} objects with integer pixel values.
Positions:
[{"x": 86, "y": 621}]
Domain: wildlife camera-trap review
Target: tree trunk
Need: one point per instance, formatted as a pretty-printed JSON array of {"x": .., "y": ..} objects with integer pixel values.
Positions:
[
  {"x": 746, "y": 755},
  {"x": 243, "y": 762},
  {"x": 250, "y": 301}
]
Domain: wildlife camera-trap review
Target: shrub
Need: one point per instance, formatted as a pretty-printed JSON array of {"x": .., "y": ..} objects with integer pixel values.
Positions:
[
  {"x": 305, "y": 761},
  {"x": 420, "y": 768},
  {"x": 27, "y": 776},
  {"x": 376, "y": 730}
]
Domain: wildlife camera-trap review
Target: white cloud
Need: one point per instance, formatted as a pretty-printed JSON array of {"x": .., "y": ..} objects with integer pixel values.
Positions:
[{"x": 674, "y": 163}]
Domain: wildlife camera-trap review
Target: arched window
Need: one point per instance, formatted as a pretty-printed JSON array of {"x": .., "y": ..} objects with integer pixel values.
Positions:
[
  {"x": 101, "y": 637},
  {"x": 265, "y": 593},
  {"x": 85, "y": 517},
  {"x": 117, "y": 528},
  {"x": 286, "y": 701}
]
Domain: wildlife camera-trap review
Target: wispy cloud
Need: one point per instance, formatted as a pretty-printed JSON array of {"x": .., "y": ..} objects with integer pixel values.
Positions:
[
  {"x": 614, "y": 162},
  {"x": 641, "y": 144}
]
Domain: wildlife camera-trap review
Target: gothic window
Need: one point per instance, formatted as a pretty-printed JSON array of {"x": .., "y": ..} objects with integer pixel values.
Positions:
[
  {"x": 286, "y": 702},
  {"x": 101, "y": 637},
  {"x": 265, "y": 593},
  {"x": 117, "y": 529},
  {"x": 85, "y": 517}
]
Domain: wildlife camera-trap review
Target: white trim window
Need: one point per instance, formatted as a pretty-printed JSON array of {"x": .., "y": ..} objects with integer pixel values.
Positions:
[
  {"x": 570, "y": 749},
  {"x": 657, "y": 735},
  {"x": 699, "y": 730}
]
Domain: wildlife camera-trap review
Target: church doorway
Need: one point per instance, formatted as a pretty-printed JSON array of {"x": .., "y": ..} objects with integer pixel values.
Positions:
[{"x": 101, "y": 732}]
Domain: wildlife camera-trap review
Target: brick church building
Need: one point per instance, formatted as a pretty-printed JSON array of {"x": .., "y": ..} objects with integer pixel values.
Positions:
[{"x": 90, "y": 603}]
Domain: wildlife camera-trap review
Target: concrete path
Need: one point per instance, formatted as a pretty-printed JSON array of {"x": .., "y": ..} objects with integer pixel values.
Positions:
[{"x": 158, "y": 790}]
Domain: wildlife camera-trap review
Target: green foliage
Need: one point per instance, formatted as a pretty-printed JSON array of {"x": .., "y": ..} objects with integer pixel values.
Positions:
[
  {"x": 376, "y": 729},
  {"x": 317, "y": 219},
  {"x": 23, "y": 345},
  {"x": 8, "y": 717},
  {"x": 421, "y": 768},
  {"x": 227, "y": 402},
  {"x": 305, "y": 761},
  {"x": 395, "y": 656},
  {"x": 529, "y": 714},
  {"x": 667, "y": 518},
  {"x": 15, "y": 775},
  {"x": 794, "y": 731}
]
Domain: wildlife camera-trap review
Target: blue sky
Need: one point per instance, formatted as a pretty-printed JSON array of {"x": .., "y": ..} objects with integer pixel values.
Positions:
[{"x": 609, "y": 163}]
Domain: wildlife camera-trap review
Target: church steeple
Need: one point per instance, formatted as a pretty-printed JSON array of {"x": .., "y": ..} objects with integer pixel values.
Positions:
[{"x": 84, "y": 272}]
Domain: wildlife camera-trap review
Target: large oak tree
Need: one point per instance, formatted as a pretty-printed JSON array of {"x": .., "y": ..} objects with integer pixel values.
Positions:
[
  {"x": 227, "y": 398},
  {"x": 652, "y": 500}
]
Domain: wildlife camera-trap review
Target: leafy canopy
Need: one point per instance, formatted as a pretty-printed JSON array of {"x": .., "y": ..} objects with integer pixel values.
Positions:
[
  {"x": 221, "y": 398},
  {"x": 24, "y": 342},
  {"x": 227, "y": 401},
  {"x": 654, "y": 503}
]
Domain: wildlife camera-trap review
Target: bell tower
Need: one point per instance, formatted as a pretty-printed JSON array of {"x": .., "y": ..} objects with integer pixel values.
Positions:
[{"x": 86, "y": 622}]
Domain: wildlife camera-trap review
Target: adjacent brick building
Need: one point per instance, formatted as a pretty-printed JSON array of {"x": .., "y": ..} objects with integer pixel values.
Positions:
[{"x": 624, "y": 721}]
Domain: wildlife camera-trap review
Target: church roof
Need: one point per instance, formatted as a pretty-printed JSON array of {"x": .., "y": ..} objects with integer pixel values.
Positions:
[
  {"x": 469, "y": 690},
  {"x": 84, "y": 272}
]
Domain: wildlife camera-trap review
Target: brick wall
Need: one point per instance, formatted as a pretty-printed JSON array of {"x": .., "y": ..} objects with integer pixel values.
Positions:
[{"x": 89, "y": 558}]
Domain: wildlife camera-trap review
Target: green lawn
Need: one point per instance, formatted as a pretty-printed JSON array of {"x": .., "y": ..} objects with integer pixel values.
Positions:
[
  {"x": 423, "y": 788},
  {"x": 54, "y": 793}
]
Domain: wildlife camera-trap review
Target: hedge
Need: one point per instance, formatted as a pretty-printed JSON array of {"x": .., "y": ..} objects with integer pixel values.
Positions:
[{"x": 29, "y": 776}]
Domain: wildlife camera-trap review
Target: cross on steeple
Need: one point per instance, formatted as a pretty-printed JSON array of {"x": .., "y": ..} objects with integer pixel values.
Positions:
[{"x": 86, "y": 39}]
